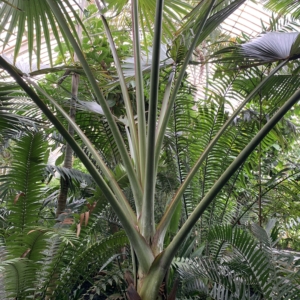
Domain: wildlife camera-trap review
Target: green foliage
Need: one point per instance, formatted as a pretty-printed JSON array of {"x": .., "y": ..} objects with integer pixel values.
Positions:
[
  {"x": 25, "y": 181},
  {"x": 73, "y": 176},
  {"x": 173, "y": 13},
  {"x": 16, "y": 111},
  {"x": 46, "y": 260},
  {"x": 243, "y": 269},
  {"x": 283, "y": 7},
  {"x": 36, "y": 16},
  {"x": 25, "y": 239},
  {"x": 87, "y": 262}
]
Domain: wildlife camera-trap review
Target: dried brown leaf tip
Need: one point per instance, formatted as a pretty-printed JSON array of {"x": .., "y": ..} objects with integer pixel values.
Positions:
[
  {"x": 25, "y": 253},
  {"x": 18, "y": 196},
  {"x": 132, "y": 294},
  {"x": 81, "y": 218},
  {"x": 128, "y": 278},
  {"x": 91, "y": 206},
  {"x": 78, "y": 230},
  {"x": 86, "y": 217}
]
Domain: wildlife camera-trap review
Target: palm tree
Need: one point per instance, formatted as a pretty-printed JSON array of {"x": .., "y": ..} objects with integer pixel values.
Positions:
[{"x": 141, "y": 149}]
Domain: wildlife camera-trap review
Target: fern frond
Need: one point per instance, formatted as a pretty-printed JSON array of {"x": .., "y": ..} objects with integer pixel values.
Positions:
[
  {"x": 87, "y": 262},
  {"x": 25, "y": 179},
  {"x": 262, "y": 268}
]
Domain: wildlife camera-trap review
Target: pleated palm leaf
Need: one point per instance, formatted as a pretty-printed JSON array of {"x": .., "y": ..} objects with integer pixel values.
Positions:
[
  {"x": 267, "y": 48},
  {"x": 30, "y": 21},
  {"x": 273, "y": 46}
]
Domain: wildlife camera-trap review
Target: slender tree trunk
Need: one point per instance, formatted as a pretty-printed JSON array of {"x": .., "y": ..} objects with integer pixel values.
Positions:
[
  {"x": 68, "y": 162},
  {"x": 259, "y": 165}
]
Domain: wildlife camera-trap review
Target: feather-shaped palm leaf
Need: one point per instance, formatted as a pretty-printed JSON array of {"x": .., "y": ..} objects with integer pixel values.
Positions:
[
  {"x": 283, "y": 7},
  {"x": 244, "y": 271}
]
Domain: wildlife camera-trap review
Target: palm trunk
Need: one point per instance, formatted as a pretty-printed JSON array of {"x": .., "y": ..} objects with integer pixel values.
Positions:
[{"x": 68, "y": 162}]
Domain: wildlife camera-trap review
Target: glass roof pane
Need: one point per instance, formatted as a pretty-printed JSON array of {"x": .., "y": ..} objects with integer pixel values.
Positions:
[{"x": 247, "y": 19}]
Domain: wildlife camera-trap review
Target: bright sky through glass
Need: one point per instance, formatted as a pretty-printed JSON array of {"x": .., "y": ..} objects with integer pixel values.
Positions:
[{"x": 248, "y": 19}]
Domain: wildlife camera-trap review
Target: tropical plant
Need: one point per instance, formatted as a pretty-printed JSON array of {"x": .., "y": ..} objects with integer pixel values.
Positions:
[
  {"x": 239, "y": 267},
  {"x": 142, "y": 139},
  {"x": 38, "y": 251}
]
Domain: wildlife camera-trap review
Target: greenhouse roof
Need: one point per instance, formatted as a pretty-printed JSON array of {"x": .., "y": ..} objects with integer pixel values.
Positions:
[{"x": 247, "y": 19}]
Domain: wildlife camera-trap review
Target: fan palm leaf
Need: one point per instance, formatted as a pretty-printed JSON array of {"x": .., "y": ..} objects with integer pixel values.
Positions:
[
  {"x": 267, "y": 48},
  {"x": 30, "y": 21},
  {"x": 273, "y": 46}
]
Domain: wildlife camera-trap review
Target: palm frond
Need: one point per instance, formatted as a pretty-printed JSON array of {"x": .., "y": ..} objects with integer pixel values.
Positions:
[
  {"x": 222, "y": 283},
  {"x": 283, "y": 7},
  {"x": 22, "y": 274},
  {"x": 273, "y": 46},
  {"x": 71, "y": 175},
  {"x": 173, "y": 13},
  {"x": 53, "y": 262},
  {"x": 267, "y": 48},
  {"x": 15, "y": 110},
  {"x": 36, "y": 16},
  {"x": 25, "y": 178},
  {"x": 16, "y": 279},
  {"x": 220, "y": 12},
  {"x": 243, "y": 270},
  {"x": 90, "y": 260},
  {"x": 262, "y": 268}
]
